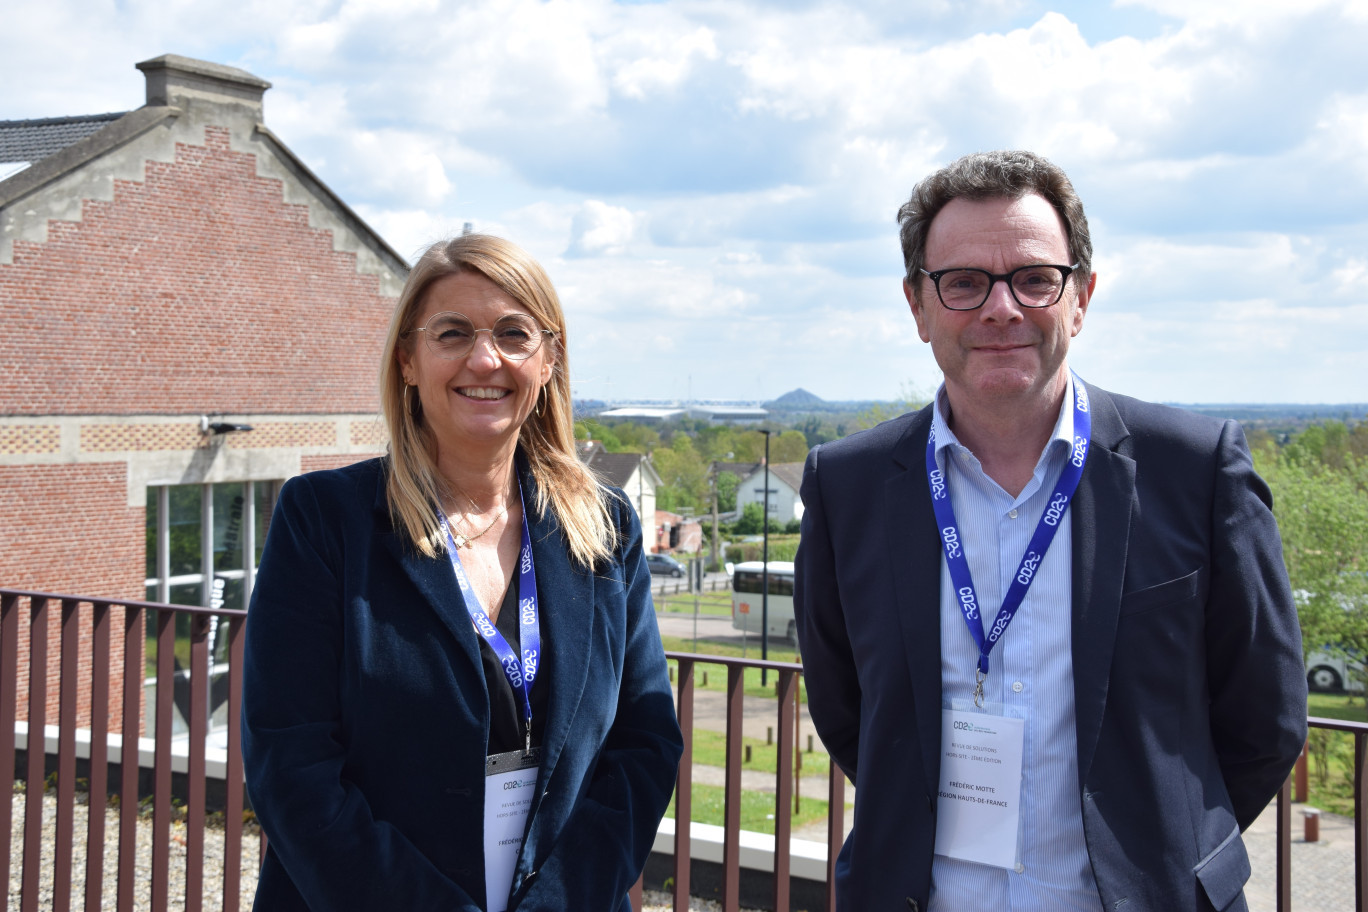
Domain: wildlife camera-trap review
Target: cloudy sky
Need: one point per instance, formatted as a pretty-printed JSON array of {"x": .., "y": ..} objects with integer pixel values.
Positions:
[{"x": 712, "y": 185}]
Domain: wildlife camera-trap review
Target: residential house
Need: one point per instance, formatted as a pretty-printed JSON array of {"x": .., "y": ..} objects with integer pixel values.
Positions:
[
  {"x": 634, "y": 474},
  {"x": 785, "y": 478}
]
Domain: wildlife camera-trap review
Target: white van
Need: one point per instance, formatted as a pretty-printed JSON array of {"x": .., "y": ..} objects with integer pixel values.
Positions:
[
  {"x": 747, "y": 605},
  {"x": 1331, "y": 673}
]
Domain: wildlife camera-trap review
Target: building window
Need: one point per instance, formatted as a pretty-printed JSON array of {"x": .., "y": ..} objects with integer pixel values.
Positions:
[
  {"x": 203, "y": 545},
  {"x": 204, "y": 541}
]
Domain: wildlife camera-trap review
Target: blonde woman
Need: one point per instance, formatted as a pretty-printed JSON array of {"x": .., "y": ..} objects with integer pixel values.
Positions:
[{"x": 455, "y": 696}]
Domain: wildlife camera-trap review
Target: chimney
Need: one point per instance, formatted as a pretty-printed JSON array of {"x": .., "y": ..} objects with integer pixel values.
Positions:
[{"x": 173, "y": 79}]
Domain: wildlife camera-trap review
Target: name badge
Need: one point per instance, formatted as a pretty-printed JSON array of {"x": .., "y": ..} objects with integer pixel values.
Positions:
[
  {"x": 510, "y": 784},
  {"x": 979, "y": 804}
]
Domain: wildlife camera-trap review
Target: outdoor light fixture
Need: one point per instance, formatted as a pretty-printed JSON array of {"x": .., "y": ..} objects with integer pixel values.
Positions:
[{"x": 220, "y": 427}]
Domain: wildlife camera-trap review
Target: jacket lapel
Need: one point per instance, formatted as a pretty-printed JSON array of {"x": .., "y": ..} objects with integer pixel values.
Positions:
[
  {"x": 915, "y": 558},
  {"x": 434, "y": 580},
  {"x": 565, "y": 597},
  {"x": 1101, "y": 520}
]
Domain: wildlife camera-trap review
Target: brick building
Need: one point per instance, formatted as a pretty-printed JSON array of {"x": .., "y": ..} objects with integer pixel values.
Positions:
[{"x": 168, "y": 277}]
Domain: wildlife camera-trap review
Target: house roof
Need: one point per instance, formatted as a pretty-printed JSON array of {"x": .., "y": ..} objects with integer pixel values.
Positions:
[
  {"x": 34, "y": 140},
  {"x": 790, "y": 473},
  {"x": 741, "y": 470},
  {"x": 613, "y": 468}
]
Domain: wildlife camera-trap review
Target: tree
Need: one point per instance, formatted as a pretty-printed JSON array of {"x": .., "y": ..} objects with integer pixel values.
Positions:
[
  {"x": 684, "y": 476},
  {"x": 1320, "y": 499},
  {"x": 726, "y": 491},
  {"x": 748, "y": 446},
  {"x": 910, "y": 400},
  {"x": 790, "y": 446},
  {"x": 817, "y": 431},
  {"x": 589, "y": 429}
]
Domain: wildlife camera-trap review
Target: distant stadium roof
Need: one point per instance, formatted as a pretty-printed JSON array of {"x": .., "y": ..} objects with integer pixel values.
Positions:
[
  {"x": 643, "y": 414},
  {"x": 729, "y": 412}
]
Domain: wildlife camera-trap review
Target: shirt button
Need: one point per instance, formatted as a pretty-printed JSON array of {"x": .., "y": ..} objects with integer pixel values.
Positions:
[
  {"x": 1019, "y": 867},
  {"x": 1011, "y": 514},
  {"x": 1017, "y": 686}
]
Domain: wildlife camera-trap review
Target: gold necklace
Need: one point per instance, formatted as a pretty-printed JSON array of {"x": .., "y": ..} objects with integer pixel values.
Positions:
[{"x": 463, "y": 541}]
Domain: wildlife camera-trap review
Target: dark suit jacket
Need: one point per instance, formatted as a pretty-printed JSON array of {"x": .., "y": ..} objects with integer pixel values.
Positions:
[
  {"x": 365, "y": 715},
  {"x": 1189, "y": 688}
]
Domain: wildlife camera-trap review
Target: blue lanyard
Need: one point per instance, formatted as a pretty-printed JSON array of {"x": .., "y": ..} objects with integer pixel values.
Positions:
[
  {"x": 1035, "y": 550},
  {"x": 520, "y": 675}
]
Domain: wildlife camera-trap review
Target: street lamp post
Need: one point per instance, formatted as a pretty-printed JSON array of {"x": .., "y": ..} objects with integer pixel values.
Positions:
[{"x": 764, "y": 572}]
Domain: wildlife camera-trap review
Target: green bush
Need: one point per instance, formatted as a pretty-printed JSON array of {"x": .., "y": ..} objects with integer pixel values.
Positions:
[{"x": 781, "y": 548}]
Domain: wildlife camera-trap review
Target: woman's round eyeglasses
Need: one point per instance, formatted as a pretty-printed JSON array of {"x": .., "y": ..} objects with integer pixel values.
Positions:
[
  {"x": 1032, "y": 286},
  {"x": 451, "y": 335}
]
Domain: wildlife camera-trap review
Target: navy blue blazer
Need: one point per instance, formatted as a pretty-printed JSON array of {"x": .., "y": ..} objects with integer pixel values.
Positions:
[
  {"x": 365, "y": 715},
  {"x": 1189, "y": 689}
]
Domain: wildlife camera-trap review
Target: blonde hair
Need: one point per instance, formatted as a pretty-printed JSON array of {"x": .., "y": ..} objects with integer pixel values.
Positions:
[{"x": 547, "y": 437}]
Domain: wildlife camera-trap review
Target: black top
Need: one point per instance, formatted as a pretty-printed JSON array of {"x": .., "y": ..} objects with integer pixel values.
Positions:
[{"x": 506, "y": 726}]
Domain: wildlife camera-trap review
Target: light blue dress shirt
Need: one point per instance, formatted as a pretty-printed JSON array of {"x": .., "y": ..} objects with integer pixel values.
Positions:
[{"x": 1030, "y": 677}]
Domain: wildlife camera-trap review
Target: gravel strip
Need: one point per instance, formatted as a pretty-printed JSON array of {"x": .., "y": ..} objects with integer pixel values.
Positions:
[
  {"x": 655, "y": 901},
  {"x": 213, "y": 858}
]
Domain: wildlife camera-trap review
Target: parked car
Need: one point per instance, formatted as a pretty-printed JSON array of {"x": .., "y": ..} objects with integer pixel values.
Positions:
[
  {"x": 664, "y": 565},
  {"x": 1328, "y": 672}
]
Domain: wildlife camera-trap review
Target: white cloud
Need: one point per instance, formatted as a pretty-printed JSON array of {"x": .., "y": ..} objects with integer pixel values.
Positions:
[
  {"x": 602, "y": 230},
  {"x": 713, "y": 186},
  {"x": 661, "y": 61}
]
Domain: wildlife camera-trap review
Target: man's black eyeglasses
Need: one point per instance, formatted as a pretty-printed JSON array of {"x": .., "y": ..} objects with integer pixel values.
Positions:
[{"x": 1032, "y": 286}]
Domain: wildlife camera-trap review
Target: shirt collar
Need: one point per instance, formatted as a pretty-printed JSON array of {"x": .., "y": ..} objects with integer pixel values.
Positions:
[{"x": 1062, "y": 435}]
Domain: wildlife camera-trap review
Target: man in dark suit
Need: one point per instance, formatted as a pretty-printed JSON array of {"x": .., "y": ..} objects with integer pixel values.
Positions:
[{"x": 1047, "y": 630}]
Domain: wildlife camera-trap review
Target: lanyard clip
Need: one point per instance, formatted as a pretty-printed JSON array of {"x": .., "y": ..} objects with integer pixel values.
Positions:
[
  {"x": 528, "y": 742},
  {"x": 979, "y": 678}
]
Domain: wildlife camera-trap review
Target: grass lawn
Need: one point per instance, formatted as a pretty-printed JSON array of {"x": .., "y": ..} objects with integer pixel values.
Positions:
[
  {"x": 1349, "y": 707},
  {"x": 714, "y": 604},
  {"x": 710, "y": 749},
  {"x": 757, "y": 809},
  {"x": 1332, "y": 753},
  {"x": 717, "y": 674}
]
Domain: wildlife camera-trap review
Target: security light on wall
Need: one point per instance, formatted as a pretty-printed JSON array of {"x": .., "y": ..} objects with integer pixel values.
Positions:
[{"x": 220, "y": 427}]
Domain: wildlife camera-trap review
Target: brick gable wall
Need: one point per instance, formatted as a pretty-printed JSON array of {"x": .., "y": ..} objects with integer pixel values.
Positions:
[{"x": 196, "y": 290}]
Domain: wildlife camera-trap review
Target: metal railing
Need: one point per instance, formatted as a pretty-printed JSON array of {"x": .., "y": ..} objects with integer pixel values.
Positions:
[
  {"x": 88, "y": 627},
  {"x": 1359, "y": 732},
  {"x": 786, "y": 688},
  {"x": 672, "y": 586},
  {"x": 99, "y": 622}
]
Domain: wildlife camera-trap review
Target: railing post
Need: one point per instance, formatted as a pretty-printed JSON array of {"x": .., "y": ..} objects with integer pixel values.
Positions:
[
  {"x": 232, "y": 786},
  {"x": 66, "y": 757},
  {"x": 1360, "y": 822},
  {"x": 1283, "y": 862},
  {"x": 198, "y": 724},
  {"x": 9, "y": 696},
  {"x": 99, "y": 756},
  {"x": 731, "y": 836},
  {"x": 783, "y": 799},
  {"x": 1303, "y": 762},
  {"x": 37, "y": 754},
  {"x": 683, "y": 848},
  {"x": 130, "y": 727},
  {"x": 835, "y": 829},
  {"x": 161, "y": 759}
]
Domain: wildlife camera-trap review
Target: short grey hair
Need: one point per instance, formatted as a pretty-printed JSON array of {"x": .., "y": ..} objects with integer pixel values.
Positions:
[{"x": 988, "y": 175}]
